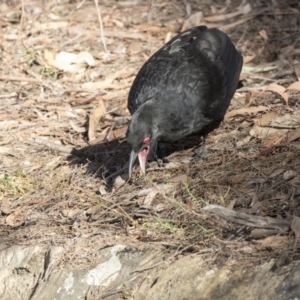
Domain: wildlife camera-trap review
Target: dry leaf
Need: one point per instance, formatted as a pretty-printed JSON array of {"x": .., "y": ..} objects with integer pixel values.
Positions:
[
  {"x": 5, "y": 206},
  {"x": 149, "y": 27},
  {"x": 273, "y": 241},
  {"x": 15, "y": 219},
  {"x": 92, "y": 86},
  {"x": 168, "y": 37},
  {"x": 274, "y": 87},
  {"x": 119, "y": 182},
  {"x": 118, "y": 23},
  {"x": 236, "y": 179},
  {"x": 134, "y": 48},
  {"x": 266, "y": 119},
  {"x": 289, "y": 174},
  {"x": 71, "y": 213},
  {"x": 5, "y": 150},
  {"x": 162, "y": 206},
  {"x": 108, "y": 82},
  {"x": 264, "y": 132},
  {"x": 248, "y": 58},
  {"x": 259, "y": 68},
  {"x": 49, "y": 57},
  {"x": 94, "y": 209},
  {"x": 102, "y": 190},
  {"x": 224, "y": 17},
  {"x": 76, "y": 128},
  {"x": 97, "y": 115},
  {"x": 150, "y": 197},
  {"x": 294, "y": 86},
  {"x": 234, "y": 24},
  {"x": 273, "y": 140},
  {"x": 245, "y": 111},
  {"x": 193, "y": 20},
  {"x": 152, "y": 192},
  {"x": 264, "y": 34},
  {"x": 293, "y": 135},
  {"x": 119, "y": 133},
  {"x": 71, "y": 62},
  {"x": 144, "y": 192},
  {"x": 182, "y": 178},
  {"x": 245, "y": 9},
  {"x": 108, "y": 135}
]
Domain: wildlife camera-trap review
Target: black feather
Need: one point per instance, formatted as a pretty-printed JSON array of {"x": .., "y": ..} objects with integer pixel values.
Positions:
[{"x": 184, "y": 88}]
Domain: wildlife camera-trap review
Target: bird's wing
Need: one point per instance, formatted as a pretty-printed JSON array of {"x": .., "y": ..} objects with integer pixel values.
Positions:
[
  {"x": 149, "y": 71},
  {"x": 226, "y": 63}
]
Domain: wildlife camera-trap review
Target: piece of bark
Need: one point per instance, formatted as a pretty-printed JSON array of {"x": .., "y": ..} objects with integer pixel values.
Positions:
[{"x": 248, "y": 220}]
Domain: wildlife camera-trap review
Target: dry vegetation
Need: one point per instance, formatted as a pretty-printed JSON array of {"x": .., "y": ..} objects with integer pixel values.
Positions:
[{"x": 63, "y": 152}]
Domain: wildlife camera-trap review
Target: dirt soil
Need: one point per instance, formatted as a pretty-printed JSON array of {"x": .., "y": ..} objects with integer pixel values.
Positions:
[{"x": 63, "y": 149}]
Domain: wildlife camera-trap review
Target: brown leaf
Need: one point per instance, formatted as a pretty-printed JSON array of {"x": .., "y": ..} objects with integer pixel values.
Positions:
[
  {"x": 289, "y": 174},
  {"x": 15, "y": 219},
  {"x": 119, "y": 133},
  {"x": 273, "y": 241},
  {"x": 294, "y": 86},
  {"x": 273, "y": 140},
  {"x": 119, "y": 182},
  {"x": 236, "y": 179},
  {"x": 94, "y": 209},
  {"x": 193, "y": 20},
  {"x": 150, "y": 197},
  {"x": 293, "y": 135},
  {"x": 266, "y": 119},
  {"x": 182, "y": 178},
  {"x": 264, "y": 34},
  {"x": 134, "y": 48},
  {"x": 245, "y": 111},
  {"x": 97, "y": 115},
  {"x": 224, "y": 17},
  {"x": 274, "y": 87},
  {"x": 108, "y": 135},
  {"x": 162, "y": 206},
  {"x": 6, "y": 206},
  {"x": 248, "y": 58},
  {"x": 71, "y": 213}
]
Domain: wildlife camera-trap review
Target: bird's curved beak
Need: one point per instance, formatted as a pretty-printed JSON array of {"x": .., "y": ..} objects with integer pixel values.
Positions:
[
  {"x": 132, "y": 159},
  {"x": 142, "y": 155}
]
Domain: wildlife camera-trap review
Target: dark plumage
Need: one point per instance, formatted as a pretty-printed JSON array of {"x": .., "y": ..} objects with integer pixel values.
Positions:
[{"x": 184, "y": 88}]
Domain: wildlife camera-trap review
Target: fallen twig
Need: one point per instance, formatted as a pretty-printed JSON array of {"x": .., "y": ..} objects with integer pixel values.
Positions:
[
  {"x": 55, "y": 147},
  {"x": 245, "y": 219}
]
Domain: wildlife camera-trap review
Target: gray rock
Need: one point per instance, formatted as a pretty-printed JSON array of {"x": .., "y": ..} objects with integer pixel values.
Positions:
[{"x": 34, "y": 273}]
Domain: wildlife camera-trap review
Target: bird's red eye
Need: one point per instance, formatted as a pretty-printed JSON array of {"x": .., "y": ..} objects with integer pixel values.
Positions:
[{"x": 146, "y": 140}]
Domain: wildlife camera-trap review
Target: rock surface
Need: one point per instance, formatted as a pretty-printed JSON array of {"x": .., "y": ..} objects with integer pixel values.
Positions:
[{"x": 33, "y": 273}]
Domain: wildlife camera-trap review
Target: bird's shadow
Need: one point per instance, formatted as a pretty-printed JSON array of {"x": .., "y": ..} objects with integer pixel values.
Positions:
[
  {"x": 109, "y": 159},
  {"x": 106, "y": 160}
]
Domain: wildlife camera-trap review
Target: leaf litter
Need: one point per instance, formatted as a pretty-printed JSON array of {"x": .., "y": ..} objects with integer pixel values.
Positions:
[{"x": 63, "y": 122}]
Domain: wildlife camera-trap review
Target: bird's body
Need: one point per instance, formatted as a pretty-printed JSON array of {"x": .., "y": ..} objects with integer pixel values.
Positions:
[{"x": 184, "y": 88}]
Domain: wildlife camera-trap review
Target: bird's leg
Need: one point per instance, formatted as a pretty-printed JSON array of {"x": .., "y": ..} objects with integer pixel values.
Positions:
[
  {"x": 157, "y": 154},
  {"x": 201, "y": 153},
  {"x": 202, "y": 150}
]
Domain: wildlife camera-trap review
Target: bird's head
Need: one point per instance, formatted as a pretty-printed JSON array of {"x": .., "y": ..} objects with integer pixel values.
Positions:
[{"x": 141, "y": 136}]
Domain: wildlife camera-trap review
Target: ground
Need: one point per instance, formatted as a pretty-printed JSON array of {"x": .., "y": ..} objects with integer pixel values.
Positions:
[{"x": 64, "y": 156}]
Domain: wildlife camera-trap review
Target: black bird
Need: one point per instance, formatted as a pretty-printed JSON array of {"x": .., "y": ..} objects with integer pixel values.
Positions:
[{"x": 184, "y": 88}]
